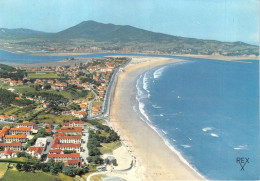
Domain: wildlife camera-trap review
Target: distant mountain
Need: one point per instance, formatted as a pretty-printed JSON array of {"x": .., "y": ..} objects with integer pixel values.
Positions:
[
  {"x": 113, "y": 33},
  {"x": 19, "y": 33},
  {"x": 110, "y": 37}
]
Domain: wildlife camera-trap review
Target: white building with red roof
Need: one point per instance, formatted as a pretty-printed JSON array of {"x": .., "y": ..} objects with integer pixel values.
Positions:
[
  {"x": 12, "y": 146},
  {"x": 56, "y": 144},
  {"x": 27, "y": 124},
  {"x": 74, "y": 124},
  {"x": 16, "y": 138},
  {"x": 8, "y": 154},
  {"x": 68, "y": 159},
  {"x": 70, "y": 131},
  {"x": 26, "y": 130},
  {"x": 36, "y": 151},
  {"x": 70, "y": 139}
]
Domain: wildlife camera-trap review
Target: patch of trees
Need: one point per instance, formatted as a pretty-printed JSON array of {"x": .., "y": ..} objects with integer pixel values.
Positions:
[
  {"x": 113, "y": 136},
  {"x": 46, "y": 96},
  {"x": 69, "y": 151},
  {"x": 76, "y": 92},
  {"x": 7, "y": 97},
  {"x": 93, "y": 151},
  {"x": 89, "y": 78},
  {"x": 23, "y": 154},
  {"x": 41, "y": 133},
  {"x": 107, "y": 161},
  {"x": 3, "y": 125},
  {"x": 51, "y": 166},
  {"x": 10, "y": 72}
]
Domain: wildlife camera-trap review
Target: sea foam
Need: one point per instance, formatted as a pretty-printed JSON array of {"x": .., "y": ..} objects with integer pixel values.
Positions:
[
  {"x": 207, "y": 129},
  {"x": 158, "y": 73},
  {"x": 214, "y": 135}
]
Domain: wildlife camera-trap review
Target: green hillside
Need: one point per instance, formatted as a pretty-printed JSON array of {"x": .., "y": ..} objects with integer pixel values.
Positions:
[{"x": 109, "y": 37}]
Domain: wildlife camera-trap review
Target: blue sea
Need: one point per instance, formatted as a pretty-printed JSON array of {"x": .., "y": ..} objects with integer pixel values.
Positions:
[{"x": 208, "y": 110}]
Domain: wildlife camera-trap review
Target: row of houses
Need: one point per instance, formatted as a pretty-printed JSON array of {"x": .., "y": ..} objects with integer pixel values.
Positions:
[
  {"x": 69, "y": 137},
  {"x": 78, "y": 114},
  {"x": 12, "y": 140},
  {"x": 6, "y": 117}
]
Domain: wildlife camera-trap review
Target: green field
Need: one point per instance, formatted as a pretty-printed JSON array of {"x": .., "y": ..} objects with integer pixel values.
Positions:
[
  {"x": 14, "y": 175},
  {"x": 43, "y": 76},
  {"x": 70, "y": 93},
  {"x": 97, "y": 104},
  {"x": 109, "y": 147},
  {"x": 48, "y": 118},
  {"x": 10, "y": 110},
  {"x": 21, "y": 159},
  {"x": 3, "y": 168}
]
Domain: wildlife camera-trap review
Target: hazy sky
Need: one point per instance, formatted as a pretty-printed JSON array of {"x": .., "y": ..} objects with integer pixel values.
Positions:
[{"x": 225, "y": 20}]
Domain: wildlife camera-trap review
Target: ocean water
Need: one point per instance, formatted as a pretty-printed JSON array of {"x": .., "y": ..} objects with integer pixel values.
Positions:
[{"x": 208, "y": 110}]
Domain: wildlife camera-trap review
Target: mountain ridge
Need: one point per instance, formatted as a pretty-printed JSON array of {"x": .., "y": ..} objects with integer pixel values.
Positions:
[{"x": 125, "y": 37}]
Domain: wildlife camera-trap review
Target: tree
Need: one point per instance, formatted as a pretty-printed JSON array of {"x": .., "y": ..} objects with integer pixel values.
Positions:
[
  {"x": 114, "y": 162},
  {"x": 23, "y": 154},
  {"x": 18, "y": 166},
  {"x": 69, "y": 151},
  {"x": 37, "y": 166},
  {"x": 2, "y": 148},
  {"x": 57, "y": 167},
  {"x": 70, "y": 171},
  {"x": 26, "y": 167},
  {"x": 106, "y": 161},
  {"x": 45, "y": 167}
]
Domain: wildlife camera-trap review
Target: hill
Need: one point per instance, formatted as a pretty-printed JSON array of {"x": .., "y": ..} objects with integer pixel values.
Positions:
[
  {"x": 113, "y": 33},
  {"x": 20, "y": 33},
  {"x": 91, "y": 37},
  {"x": 6, "y": 68}
]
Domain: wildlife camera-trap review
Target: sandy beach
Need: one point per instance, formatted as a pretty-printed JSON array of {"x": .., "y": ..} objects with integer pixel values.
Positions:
[{"x": 154, "y": 159}]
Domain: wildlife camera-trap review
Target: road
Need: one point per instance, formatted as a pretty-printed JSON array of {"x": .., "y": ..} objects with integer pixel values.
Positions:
[
  {"x": 84, "y": 152},
  {"x": 90, "y": 104},
  {"x": 109, "y": 91},
  {"x": 50, "y": 143}
]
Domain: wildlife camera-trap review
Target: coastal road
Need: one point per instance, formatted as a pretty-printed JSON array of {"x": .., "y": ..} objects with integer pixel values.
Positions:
[{"x": 109, "y": 91}]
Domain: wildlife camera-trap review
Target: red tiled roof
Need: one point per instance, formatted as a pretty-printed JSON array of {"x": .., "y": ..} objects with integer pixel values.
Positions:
[
  {"x": 4, "y": 116},
  {"x": 73, "y": 162},
  {"x": 2, "y": 133},
  {"x": 71, "y": 155},
  {"x": 25, "y": 123},
  {"x": 48, "y": 130},
  {"x": 9, "y": 152},
  {"x": 69, "y": 130},
  {"x": 16, "y": 136},
  {"x": 55, "y": 151},
  {"x": 36, "y": 149},
  {"x": 59, "y": 134},
  {"x": 11, "y": 144},
  {"x": 73, "y": 145},
  {"x": 20, "y": 129}
]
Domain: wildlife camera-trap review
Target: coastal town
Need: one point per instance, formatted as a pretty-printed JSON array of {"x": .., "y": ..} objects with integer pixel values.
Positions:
[{"x": 53, "y": 118}]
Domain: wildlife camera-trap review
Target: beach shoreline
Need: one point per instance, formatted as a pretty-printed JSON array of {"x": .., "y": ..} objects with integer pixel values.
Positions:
[{"x": 156, "y": 160}]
